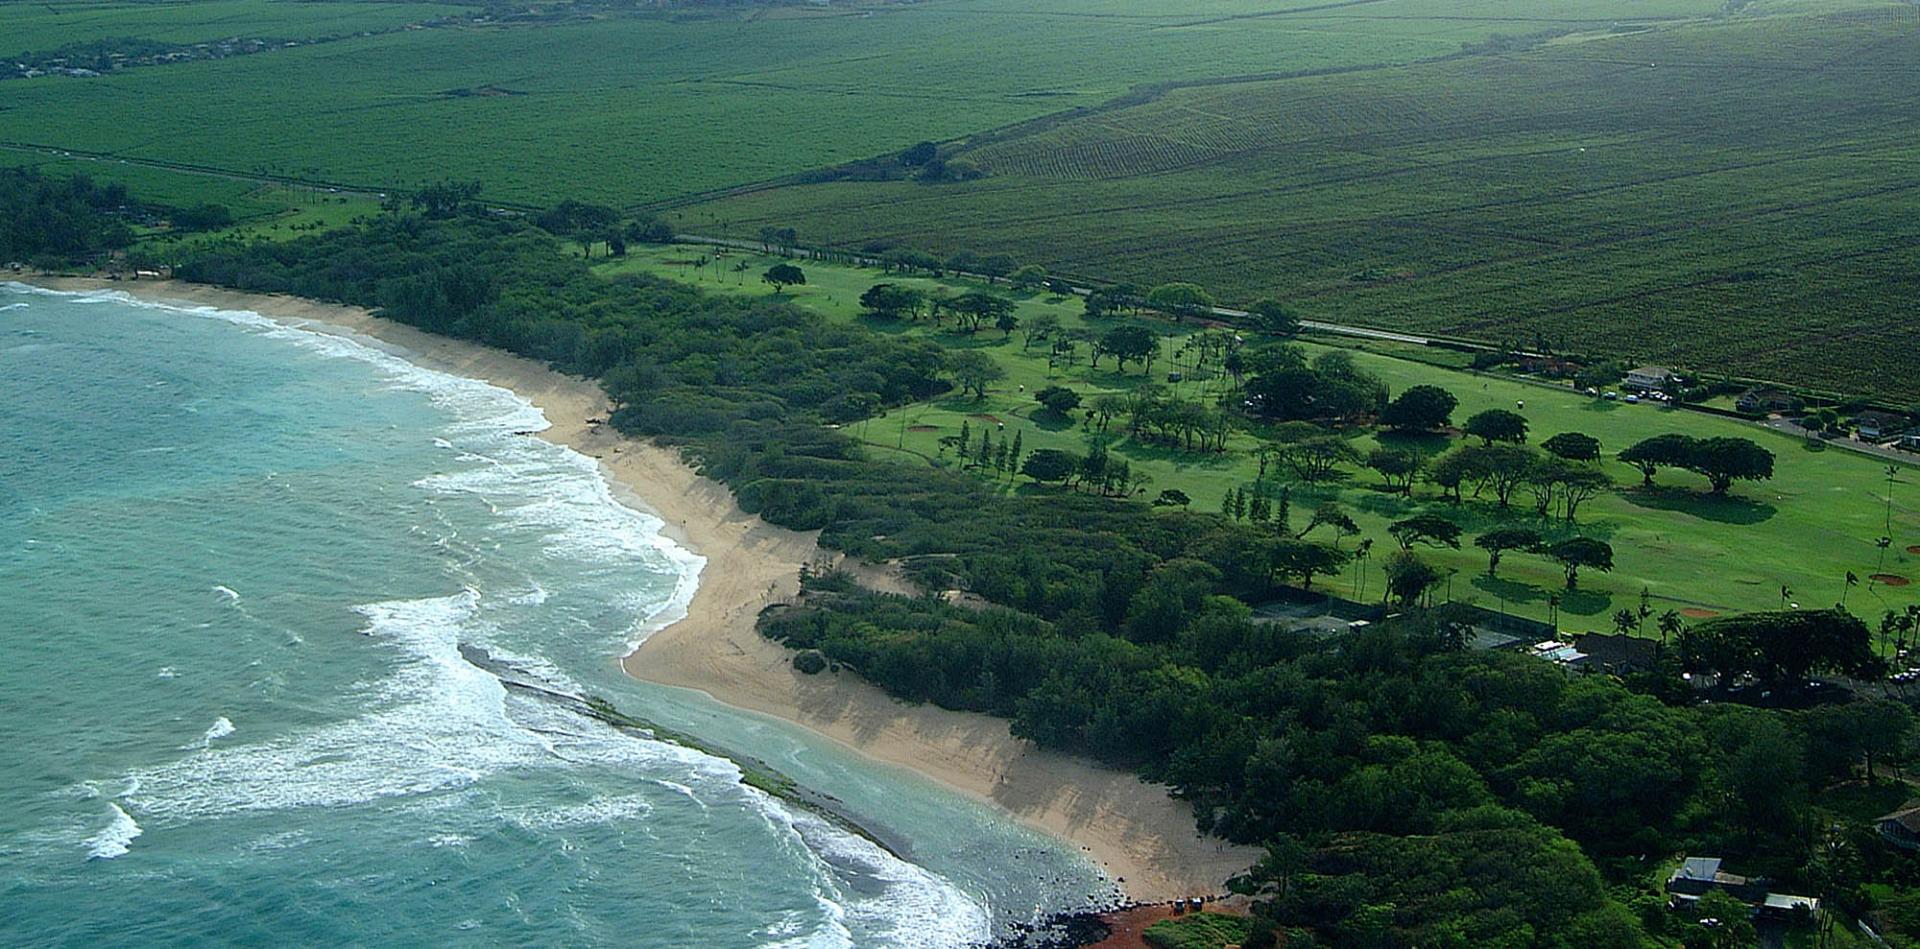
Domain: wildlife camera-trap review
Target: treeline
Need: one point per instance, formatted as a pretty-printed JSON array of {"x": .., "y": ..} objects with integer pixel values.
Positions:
[
  {"x": 1410, "y": 792},
  {"x": 59, "y": 219}
]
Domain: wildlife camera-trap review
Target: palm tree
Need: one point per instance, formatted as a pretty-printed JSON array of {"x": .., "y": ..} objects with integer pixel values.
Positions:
[{"x": 1670, "y": 625}]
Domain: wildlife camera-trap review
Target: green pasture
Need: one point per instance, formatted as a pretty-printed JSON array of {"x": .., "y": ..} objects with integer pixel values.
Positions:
[
  {"x": 1635, "y": 194},
  {"x": 634, "y": 108},
  {"x": 1805, "y": 530},
  {"x": 46, "y": 26}
]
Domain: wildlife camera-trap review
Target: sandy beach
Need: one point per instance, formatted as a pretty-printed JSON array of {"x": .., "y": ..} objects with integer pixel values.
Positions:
[{"x": 1134, "y": 830}]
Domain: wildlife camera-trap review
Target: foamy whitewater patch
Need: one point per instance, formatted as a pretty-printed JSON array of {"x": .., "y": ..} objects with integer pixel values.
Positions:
[
  {"x": 220, "y": 728},
  {"x": 115, "y": 839},
  {"x": 433, "y": 726},
  {"x": 862, "y": 888}
]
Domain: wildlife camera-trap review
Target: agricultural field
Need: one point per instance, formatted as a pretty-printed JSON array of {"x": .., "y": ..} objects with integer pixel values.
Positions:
[
  {"x": 1736, "y": 195},
  {"x": 39, "y": 27},
  {"x": 633, "y": 108},
  {"x": 1805, "y": 529}
]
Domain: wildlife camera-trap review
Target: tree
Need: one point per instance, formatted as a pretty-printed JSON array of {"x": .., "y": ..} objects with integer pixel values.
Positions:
[
  {"x": 891, "y": 301},
  {"x": 1180, "y": 300},
  {"x": 1397, "y": 467},
  {"x": 1576, "y": 552},
  {"x": 1781, "y": 648},
  {"x": 1497, "y": 425},
  {"x": 919, "y": 154},
  {"x": 1305, "y": 560},
  {"x": 1499, "y": 541},
  {"x": 1058, "y": 399},
  {"x": 974, "y": 371},
  {"x": 1732, "y": 923},
  {"x": 978, "y": 309},
  {"x": 1726, "y": 459},
  {"x": 1029, "y": 277},
  {"x": 1328, "y": 514},
  {"x": 1039, "y": 328},
  {"x": 1315, "y": 458},
  {"x": 445, "y": 199},
  {"x": 1573, "y": 446},
  {"x": 1577, "y": 484},
  {"x": 1420, "y": 408},
  {"x": 1502, "y": 467},
  {"x": 1672, "y": 450},
  {"x": 1129, "y": 344},
  {"x": 780, "y": 240},
  {"x": 1409, "y": 578},
  {"x": 1271, "y": 316},
  {"x": 1430, "y": 529},
  {"x": 1172, "y": 497},
  {"x": 1049, "y": 465},
  {"x": 783, "y": 276}
]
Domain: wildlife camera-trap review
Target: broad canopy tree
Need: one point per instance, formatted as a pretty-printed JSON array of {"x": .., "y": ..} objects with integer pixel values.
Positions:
[
  {"x": 1573, "y": 446},
  {"x": 1782, "y": 648},
  {"x": 1499, "y": 541},
  {"x": 974, "y": 371},
  {"x": 1497, "y": 425},
  {"x": 1420, "y": 408},
  {"x": 782, "y": 276},
  {"x": 1576, "y": 552}
]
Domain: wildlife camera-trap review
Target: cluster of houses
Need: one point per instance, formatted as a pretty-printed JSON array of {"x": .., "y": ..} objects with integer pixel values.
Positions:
[{"x": 1698, "y": 876}]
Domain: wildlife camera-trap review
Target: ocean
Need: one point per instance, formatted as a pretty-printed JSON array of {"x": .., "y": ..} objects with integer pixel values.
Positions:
[{"x": 238, "y": 564}]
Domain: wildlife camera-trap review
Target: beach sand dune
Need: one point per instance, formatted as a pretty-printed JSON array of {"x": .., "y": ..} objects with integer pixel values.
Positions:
[{"x": 1142, "y": 837}]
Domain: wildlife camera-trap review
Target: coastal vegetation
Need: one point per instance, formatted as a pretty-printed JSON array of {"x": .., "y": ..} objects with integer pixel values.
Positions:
[
  {"x": 1817, "y": 518},
  {"x": 962, "y": 321},
  {"x": 1406, "y": 788}
]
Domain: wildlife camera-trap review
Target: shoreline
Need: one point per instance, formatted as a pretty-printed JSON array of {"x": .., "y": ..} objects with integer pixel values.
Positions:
[{"x": 1134, "y": 831}]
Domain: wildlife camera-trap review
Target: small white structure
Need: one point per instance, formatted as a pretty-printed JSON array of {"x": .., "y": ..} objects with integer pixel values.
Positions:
[{"x": 1647, "y": 378}]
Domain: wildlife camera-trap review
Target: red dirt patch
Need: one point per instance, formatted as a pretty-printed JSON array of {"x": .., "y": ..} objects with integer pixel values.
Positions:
[
  {"x": 1890, "y": 579},
  {"x": 1694, "y": 612},
  {"x": 995, "y": 419},
  {"x": 923, "y": 428},
  {"x": 1915, "y": 549}
]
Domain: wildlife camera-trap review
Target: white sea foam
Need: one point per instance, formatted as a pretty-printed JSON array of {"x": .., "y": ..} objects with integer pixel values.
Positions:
[
  {"x": 116, "y": 838},
  {"x": 435, "y": 723},
  {"x": 227, "y": 592},
  {"x": 220, "y": 728},
  {"x": 901, "y": 904}
]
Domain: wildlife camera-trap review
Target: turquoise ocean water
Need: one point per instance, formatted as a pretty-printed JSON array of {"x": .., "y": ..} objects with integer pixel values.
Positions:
[{"x": 237, "y": 562}]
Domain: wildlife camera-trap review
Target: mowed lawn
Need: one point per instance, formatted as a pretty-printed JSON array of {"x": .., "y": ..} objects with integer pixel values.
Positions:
[{"x": 1815, "y": 521}]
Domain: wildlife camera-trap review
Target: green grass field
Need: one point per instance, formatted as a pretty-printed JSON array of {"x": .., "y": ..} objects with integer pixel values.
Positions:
[
  {"x": 1736, "y": 195},
  {"x": 46, "y": 26},
  {"x": 1805, "y": 529},
  {"x": 630, "y": 109}
]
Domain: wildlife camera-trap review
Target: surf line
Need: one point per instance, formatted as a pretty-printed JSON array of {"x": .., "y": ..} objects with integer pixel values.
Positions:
[{"x": 754, "y": 772}]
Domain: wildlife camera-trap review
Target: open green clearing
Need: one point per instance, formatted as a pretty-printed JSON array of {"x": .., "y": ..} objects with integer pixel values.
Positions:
[
  {"x": 627, "y": 109},
  {"x": 1736, "y": 195},
  {"x": 1817, "y": 519}
]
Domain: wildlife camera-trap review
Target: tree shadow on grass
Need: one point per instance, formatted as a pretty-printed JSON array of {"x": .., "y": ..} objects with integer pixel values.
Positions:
[
  {"x": 1585, "y": 602},
  {"x": 1724, "y": 509},
  {"x": 1511, "y": 591},
  {"x": 1048, "y": 420},
  {"x": 1423, "y": 443}
]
